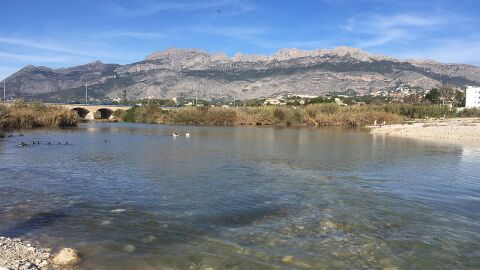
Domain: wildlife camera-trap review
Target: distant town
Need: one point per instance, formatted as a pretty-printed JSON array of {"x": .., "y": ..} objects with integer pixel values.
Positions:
[{"x": 458, "y": 97}]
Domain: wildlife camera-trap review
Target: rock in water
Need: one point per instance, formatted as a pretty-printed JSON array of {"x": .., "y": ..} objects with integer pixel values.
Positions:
[
  {"x": 287, "y": 259},
  {"x": 129, "y": 248},
  {"x": 66, "y": 256}
]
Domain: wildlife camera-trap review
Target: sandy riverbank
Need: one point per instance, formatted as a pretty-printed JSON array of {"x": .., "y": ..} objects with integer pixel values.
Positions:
[{"x": 455, "y": 130}]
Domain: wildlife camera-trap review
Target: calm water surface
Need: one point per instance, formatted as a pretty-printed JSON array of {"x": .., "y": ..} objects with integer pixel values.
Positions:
[{"x": 243, "y": 198}]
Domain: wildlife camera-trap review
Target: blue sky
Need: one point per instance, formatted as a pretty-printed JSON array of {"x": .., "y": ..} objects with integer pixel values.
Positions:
[{"x": 58, "y": 33}]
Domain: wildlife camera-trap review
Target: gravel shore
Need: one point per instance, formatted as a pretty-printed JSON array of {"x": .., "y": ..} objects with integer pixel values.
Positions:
[
  {"x": 457, "y": 130},
  {"x": 17, "y": 254}
]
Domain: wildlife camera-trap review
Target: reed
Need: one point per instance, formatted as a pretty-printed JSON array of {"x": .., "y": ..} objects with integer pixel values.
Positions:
[
  {"x": 27, "y": 115},
  {"x": 311, "y": 115}
]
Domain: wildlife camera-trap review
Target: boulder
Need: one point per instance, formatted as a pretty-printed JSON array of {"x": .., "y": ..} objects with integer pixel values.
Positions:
[{"x": 66, "y": 256}]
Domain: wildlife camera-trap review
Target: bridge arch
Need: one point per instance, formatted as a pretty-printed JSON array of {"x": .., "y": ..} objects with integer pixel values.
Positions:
[
  {"x": 100, "y": 112},
  {"x": 82, "y": 112},
  {"x": 104, "y": 113}
]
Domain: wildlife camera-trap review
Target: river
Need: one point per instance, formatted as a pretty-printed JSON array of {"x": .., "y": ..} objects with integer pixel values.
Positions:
[{"x": 131, "y": 196}]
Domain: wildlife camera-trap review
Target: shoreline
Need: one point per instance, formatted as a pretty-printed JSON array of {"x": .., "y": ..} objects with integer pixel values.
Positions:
[
  {"x": 19, "y": 254},
  {"x": 451, "y": 130}
]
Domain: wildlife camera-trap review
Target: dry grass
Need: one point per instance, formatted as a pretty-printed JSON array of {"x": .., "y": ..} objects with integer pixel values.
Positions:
[
  {"x": 28, "y": 115},
  {"x": 311, "y": 115}
]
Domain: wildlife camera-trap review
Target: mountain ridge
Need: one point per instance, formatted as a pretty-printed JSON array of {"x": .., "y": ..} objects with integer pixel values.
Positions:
[{"x": 180, "y": 72}]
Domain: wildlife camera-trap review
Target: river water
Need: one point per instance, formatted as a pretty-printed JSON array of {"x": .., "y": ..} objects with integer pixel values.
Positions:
[{"x": 131, "y": 196}]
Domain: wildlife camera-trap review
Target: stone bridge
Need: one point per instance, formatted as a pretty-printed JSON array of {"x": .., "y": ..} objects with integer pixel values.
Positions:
[{"x": 93, "y": 112}]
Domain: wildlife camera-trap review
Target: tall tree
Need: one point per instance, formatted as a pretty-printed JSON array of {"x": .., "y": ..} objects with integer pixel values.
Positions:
[{"x": 433, "y": 96}]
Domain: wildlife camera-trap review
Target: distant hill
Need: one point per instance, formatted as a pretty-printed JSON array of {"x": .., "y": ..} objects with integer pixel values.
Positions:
[{"x": 179, "y": 72}]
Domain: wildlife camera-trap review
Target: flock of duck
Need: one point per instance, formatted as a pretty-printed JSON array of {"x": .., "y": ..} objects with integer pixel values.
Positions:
[{"x": 23, "y": 143}]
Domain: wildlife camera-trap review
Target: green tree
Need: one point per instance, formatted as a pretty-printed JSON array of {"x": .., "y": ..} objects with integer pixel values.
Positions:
[
  {"x": 124, "y": 95},
  {"x": 414, "y": 98},
  {"x": 459, "y": 98},
  {"x": 433, "y": 96}
]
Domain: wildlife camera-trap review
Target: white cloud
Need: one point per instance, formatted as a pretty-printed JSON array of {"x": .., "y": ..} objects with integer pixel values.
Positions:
[
  {"x": 373, "y": 30},
  {"x": 129, "y": 34},
  {"x": 465, "y": 50},
  {"x": 42, "y": 45},
  {"x": 6, "y": 71},
  {"x": 238, "y": 32},
  {"x": 69, "y": 50},
  {"x": 35, "y": 58},
  {"x": 145, "y": 8}
]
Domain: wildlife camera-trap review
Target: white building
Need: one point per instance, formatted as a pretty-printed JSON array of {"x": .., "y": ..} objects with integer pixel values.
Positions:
[
  {"x": 472, "y": 97},
  {"x": 274, "y": 101}
]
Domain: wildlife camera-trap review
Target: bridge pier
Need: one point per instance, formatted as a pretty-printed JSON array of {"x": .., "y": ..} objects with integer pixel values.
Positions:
[{"x": 90, "y": 116}]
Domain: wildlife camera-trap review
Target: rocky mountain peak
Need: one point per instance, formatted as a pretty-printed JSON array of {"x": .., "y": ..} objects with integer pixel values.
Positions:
[
  {"x": 352, "y": 52},
  {"x": 176, "y": 53},
  {"x": 30, "y": 68}
]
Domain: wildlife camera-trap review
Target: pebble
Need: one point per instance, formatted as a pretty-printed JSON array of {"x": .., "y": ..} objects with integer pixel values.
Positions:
[{"x": 20, "y": 255}]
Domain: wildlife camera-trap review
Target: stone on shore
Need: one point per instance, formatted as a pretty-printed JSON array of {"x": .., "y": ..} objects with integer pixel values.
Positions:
[
  {"x": 18, "y": 254},
  {"x": 66, "y": 256}
]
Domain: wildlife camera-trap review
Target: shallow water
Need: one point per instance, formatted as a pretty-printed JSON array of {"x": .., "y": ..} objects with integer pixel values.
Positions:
[{"x": 243, "y": 198}]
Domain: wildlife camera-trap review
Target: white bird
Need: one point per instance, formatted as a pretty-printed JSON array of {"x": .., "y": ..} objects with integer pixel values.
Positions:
[
  {"x": 175, "y": 134},
  {"x": 187, "y": 135}
]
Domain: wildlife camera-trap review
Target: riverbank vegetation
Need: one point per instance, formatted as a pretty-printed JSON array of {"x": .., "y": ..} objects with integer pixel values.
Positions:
[
  {"x": 325, "y": 114},
  {"x": 27, "y": 115},
  {"x": 311, "y": 115}
]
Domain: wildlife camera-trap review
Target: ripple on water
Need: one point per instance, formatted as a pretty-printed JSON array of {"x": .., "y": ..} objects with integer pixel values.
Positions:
[{"x": 244, "y": 198}]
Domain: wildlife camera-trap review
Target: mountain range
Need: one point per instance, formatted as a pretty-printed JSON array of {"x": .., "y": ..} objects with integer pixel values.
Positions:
[{"x": 185, "y": 72}]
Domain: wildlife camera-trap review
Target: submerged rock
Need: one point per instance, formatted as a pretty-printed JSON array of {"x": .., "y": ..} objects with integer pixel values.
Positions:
[
  {"x": 66, "y": 256},
  {"x": 149, "y": 239},
  {"x": 129, "y": 248},
  {"x": 287, "y": 259},
  {"x": 327, "y": 224}
]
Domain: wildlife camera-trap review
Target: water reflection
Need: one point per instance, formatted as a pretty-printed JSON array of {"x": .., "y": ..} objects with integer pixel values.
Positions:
[{"x": 243, "y": 198}]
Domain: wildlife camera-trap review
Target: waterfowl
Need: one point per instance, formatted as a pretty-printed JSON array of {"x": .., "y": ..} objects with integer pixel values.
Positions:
[
  {"x": 22, "y": 144},
  {"x": 187, "y": 135},
  {"x": 175, "y": 134}
]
